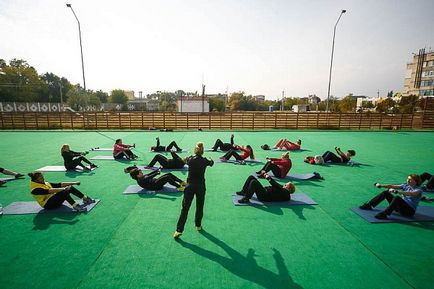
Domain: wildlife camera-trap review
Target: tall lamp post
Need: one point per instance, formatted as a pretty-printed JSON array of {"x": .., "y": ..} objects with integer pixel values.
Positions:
[
  {"x": 331, "y": 61},
  {"x": 81, "y": 47}
]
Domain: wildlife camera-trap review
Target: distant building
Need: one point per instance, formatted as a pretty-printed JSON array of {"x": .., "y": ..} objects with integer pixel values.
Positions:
[
  {"x": 313, "y": 99},
  {"x": 259, "y": 98},
  {"x": 419, "y": 78},
  {"x": 301, "y": 107},
  {"x": 192, "y": 104}
]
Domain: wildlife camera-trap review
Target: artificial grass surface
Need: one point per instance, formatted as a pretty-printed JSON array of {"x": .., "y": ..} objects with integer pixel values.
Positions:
[{"x": 126, "y": 241}]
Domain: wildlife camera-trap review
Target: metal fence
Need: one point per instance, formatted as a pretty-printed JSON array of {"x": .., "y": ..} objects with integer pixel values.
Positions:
[{"x": 230, "y": 120}]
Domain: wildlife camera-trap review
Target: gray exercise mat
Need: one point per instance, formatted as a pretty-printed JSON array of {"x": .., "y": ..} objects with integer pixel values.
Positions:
[
  {"x": 297, "y": 177},
  {"x": 7, "y": 179},
  {"x": 423, "y": 214},
  {"x": 175, "y": 151},
  {"x": 59, "y": 169},
  {"x": 103, "y": 158},
  {"x": 296, "y": 199},
  {"x": 285, "y": 150},
  {"x": 232, "y": 161},
  {"x": 23, "y": 208},
  {"x": 185, "y": 168},
  {"x": 102, "y": 149},
  {"x": 136, "y": 189}
]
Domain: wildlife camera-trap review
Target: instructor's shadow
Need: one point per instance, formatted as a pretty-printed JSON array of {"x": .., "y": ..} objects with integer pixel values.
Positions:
[{"x": 246, "y": 267}]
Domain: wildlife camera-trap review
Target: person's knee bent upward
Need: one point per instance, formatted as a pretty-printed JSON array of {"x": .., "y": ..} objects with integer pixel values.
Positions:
[{"x": 158, "y": 158}]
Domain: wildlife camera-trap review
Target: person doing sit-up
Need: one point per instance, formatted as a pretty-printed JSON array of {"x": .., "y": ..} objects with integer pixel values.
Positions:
[
  {"x": 403, "y": 198},
  {"x": 219, "y": 144},
  {"x": 279, "y": 167},
  {"x": 160, "y": 148},
  {"x": 273, "y": 193},
  {"x": 149, "y": 181},
  {"x": 72, "y": 159},
  {"x": 176, "y": 162},
  {"x": 284, "y": 144},
  {"x": 247, "y": 152},
  {"x": 330, "y": 157},
  {"x": 52, "y": 195},
  {"x": 121, "y": 150}
]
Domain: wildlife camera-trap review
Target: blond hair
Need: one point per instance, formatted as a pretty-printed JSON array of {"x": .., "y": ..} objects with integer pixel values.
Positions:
[
  {"x": 290, "y": 187},
  {"x": 198, "y": 149},
  {"x": 64, "y": 148}
]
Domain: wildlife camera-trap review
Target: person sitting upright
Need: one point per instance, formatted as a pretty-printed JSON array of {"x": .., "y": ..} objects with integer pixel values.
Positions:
[
  {"x": 279, "y": 167},
  {"x": 176, "y": 162},
  {"x": 224, "y": 146},
  {"x": 247, "y": 152},
  {"x": 160, "y": 148},
  {"x": 72, "y": 159},
  {"x": 330, "y": 157},
  {"x": 52, "y": 195},
  {"x": 273, "y": 193},
  {"x": 284, "y": 144},
  {"x": 121, "y": 150},
  {"x": 405, "y": 205}
]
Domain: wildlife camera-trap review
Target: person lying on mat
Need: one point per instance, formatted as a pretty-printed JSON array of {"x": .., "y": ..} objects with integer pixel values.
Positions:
[
  {"x": 279, "y": 167},
  {"x": 72, "y": 159},
  {"x": 196, "y": 187},
  {"x": 149, "y": 182},
  {"x": 247, "y": 152},
  {"x": 121, "y": 150},
  {"x": 330, "y": 157},
  {"x": 224, "y": 146},
  {"x": 285, "y": 144},
  {"x": 273, "y": 193},
  {"x": 160, "y": 148},
  {"x": 403, "y": 198},
  {"x": 176, "y": 162},
  {"x": 9, "y": 173},
  {"x": 52, "y": 195}
]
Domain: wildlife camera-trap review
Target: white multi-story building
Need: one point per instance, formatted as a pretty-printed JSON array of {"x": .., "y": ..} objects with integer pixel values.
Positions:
[{"x": 419, "y": 78}]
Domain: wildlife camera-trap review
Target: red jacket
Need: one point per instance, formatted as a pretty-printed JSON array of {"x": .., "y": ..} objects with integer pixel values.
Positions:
[
  {"x": 117, "y": 148},
  {"x": 284, "y": 166}
]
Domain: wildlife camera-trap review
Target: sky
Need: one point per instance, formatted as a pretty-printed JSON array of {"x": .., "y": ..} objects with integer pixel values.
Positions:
[{"x": 261, "y": 47}]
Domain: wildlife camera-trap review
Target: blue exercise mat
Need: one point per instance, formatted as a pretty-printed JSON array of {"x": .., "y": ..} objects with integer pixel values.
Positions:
[
  {"x": 423, "y": 214},
  {"x": 136, "y": 189},
  {"x": 296, "y": 199},
  {"x": 60, "y": 169},
  {"x": 175, "y": 151},
  {"x": 24, "y": 208},
  {"x": 7, "y": 179},
  {"x": 297, "y": 177},
  {"x": 285, "y": 150}
]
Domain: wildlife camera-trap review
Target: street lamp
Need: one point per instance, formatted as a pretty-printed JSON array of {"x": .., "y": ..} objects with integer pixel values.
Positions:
[
  {"x": 81, "y": 48},
  {"x": 331, "y": 61}
]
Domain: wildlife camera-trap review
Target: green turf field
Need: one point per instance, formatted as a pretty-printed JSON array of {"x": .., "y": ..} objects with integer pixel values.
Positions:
[{"x": 126, "y": 241}]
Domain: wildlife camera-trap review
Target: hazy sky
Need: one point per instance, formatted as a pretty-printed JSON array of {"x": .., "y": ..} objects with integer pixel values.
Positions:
[{"x": 255, "y": 46}]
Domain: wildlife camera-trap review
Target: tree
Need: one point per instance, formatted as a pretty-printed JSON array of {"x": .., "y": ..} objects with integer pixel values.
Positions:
[
  {"x": 103, "y": 96},
  {"x": 54, "y": 84},
  {"x": 19, "y": 82},
  {"x": 390, "y": 93},
  {"x": 216, "y": 104},
  {"x": 386, "y": 105},
  {"x": 94, "y": 100},
  {"x": 408, "y": 103},
  {"x": 78, "y": 99},
  {"x": 118, "y": 96},
  {"x": 239, "y": 101},
  {"x": 347, "y": 104}
]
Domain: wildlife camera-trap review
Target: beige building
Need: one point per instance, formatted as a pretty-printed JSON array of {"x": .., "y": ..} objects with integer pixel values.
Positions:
[{"x": 419, "y": 78}]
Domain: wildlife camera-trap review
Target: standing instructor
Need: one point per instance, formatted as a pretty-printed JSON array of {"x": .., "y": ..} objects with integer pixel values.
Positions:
[{"x": 195, "y": 186}]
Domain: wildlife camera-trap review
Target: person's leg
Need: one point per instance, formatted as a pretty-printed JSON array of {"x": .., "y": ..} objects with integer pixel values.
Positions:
[
  {"x": 427, "y": 177},
  {"x": 186, "y": 203},
  {"x": 232, "y": 139},
  {"x": 76, "y": 192},
  {"x": 58, "y": 199},
  {"x": 200, "y": 201},
  {"x": 234, "y": 154},
  {"x": 167, "y": 178},
  {"x": 399, "y": 205},
  {"x": 246, "y": 184},
  {"x": 380, "y": 197},
  {"x": 255, "y": 187},
  {"x": 171, "y": 145},
  {"x": 328, "y": 156},
  {"x": 10, "y": 173},
  {"x": 279, "y": 143},
  {"x": 162, "y": 160},
  {"x": 218, "y": 145}
]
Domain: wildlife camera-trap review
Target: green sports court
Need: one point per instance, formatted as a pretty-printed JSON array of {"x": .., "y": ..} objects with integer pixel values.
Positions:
[{"x": 126, "y": 240}]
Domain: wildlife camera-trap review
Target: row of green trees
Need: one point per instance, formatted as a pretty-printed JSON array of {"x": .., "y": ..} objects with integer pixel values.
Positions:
[{"x": 21, "y": 82}]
